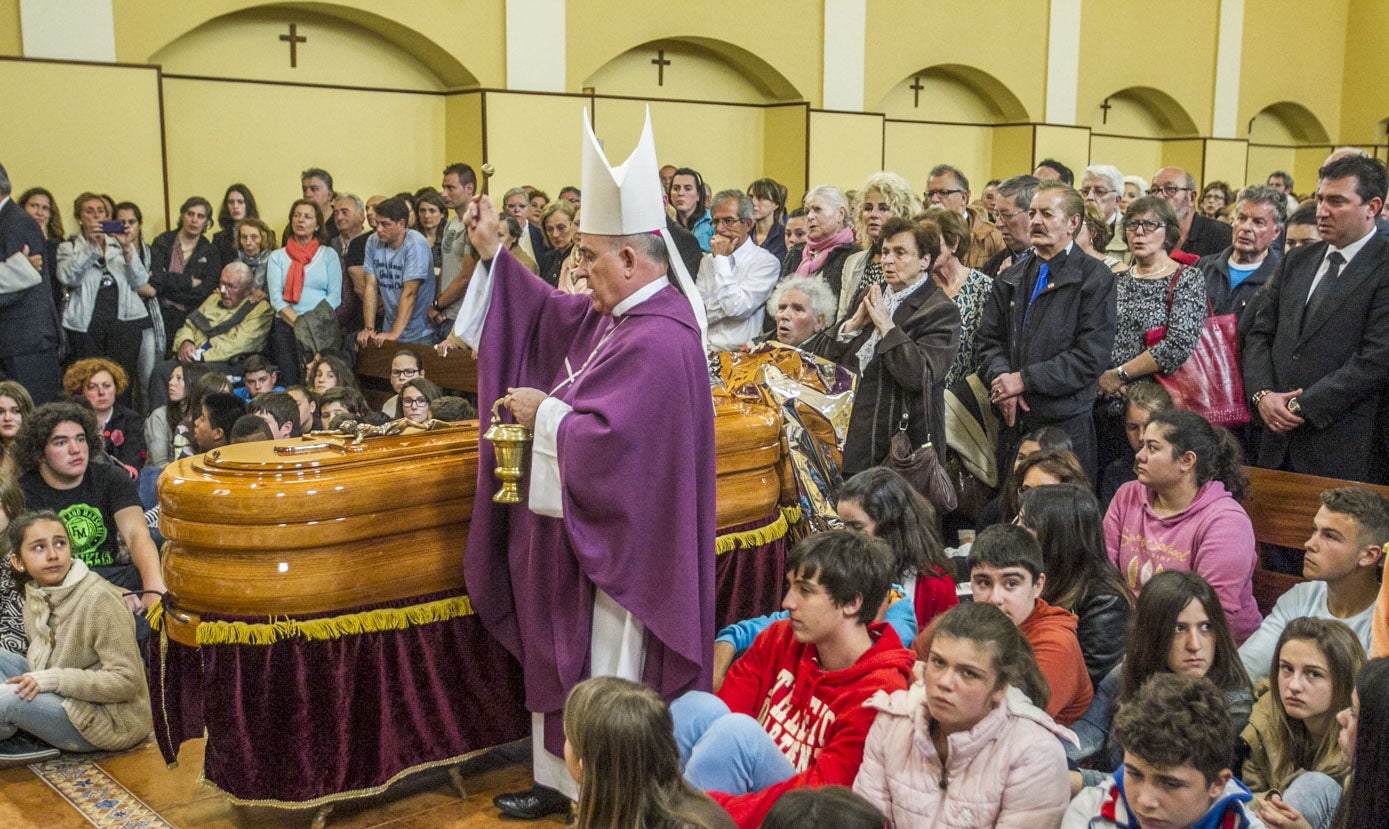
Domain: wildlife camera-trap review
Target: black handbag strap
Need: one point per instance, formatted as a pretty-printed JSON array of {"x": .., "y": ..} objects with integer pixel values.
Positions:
[{"x": 926, "y": 406}]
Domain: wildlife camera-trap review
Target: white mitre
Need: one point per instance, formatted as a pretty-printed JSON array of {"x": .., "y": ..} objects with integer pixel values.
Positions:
[{"x": 626, "y": 200}]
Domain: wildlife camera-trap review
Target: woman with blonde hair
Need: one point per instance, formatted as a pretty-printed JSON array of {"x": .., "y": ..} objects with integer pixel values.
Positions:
[
  {"x": 619, "y": 746},
  {"x": 829, "y": 238},
  {"x": 882, "y": 196},
  {"x": 100, "y": 381}
]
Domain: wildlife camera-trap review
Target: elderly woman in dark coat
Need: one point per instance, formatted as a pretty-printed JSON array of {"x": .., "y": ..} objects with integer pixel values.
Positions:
[{"x": 901, "y": 340}]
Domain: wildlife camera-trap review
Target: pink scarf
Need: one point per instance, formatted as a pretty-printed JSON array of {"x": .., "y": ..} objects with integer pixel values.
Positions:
[{"x": 813, "y": 259}]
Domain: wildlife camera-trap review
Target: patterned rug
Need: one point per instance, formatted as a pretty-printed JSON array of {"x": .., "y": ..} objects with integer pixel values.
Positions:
[{"x": 96, "y": 795}]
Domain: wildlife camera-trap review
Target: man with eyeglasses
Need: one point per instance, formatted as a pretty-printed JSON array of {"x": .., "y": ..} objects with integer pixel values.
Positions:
[
  {"x": 405, "y": 366},
  {"x": 1048, "y": 329},
  {"x": 1316, "y": 358},
  {"x": 1200, "y": 236},
  {"x": 1010, "y": 216},
  {"x": 1102, "y": 185},
  {"x": 947, "y": 187},
  {"x": 225, "y": 328},
  {"x": 736, "y": 276}
]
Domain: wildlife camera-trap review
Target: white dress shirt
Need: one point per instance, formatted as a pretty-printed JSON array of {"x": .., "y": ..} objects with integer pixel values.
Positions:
[{"x": 735, "y": 290}]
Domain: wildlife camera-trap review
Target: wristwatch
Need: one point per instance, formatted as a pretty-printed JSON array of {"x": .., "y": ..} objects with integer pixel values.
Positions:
[
  {"x": 1295, "y": 407},
  {"x": 1260, "y": 395},
  {"x": 1124, "y": 375}
]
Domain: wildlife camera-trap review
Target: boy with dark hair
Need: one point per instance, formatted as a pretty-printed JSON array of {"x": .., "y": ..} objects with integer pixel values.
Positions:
[
  {"x": 1177, "y": 742},
  {"x": 451, "y": 409},
  {"x": 1342, "y": 562},
  {"x": 258, "y": 376},
  {"x": 790, "y": 712},
  {"x": 280, "y": 411},
  {"x": 1006, "y": 570},
  {"x": 213, "y": 426},
  {"x": 250, "y": 428}
]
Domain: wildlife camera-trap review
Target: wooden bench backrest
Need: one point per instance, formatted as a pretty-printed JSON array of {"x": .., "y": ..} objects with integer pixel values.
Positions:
[
  {"x": 1281, "y": 506},
  {"x": 457, "y": 371}
]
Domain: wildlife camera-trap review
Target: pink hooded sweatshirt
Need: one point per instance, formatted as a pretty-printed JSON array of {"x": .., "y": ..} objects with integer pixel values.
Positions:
[
  {"x": 1212, "y": 537},
  {"x": 1008, "y": 772}
]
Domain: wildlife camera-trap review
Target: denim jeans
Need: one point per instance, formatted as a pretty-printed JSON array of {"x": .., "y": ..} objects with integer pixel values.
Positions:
[
  {"x": 43, "y": 716},
  {"x": 725, "y": 752},
  {"x": 1316, "y": 796}
]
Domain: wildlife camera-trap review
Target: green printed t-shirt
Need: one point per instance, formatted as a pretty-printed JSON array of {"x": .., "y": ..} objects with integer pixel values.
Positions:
[{"x": 88, "y": 510}]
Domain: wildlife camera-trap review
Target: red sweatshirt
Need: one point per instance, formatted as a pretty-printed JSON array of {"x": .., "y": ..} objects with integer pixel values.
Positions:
[
  {"x": 815, "y": 716},
  {"x": 1051, "y": 631}
]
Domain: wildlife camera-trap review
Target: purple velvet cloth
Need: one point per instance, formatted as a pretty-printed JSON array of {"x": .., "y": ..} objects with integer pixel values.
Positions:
[
  {"x": 750, "y": 580},
  {"x": 299, "y": 720},
  {"x": 637, "y": 471}
]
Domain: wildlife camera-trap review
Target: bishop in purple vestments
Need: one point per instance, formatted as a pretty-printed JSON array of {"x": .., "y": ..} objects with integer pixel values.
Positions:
[{"x": 616, "y": 387}]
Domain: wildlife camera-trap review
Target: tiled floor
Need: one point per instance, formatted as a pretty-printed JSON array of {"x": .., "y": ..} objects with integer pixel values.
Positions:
[{"x": 425, "y": 800}]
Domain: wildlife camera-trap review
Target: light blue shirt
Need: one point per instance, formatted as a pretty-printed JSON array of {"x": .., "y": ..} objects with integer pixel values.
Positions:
[
  {"x": 411, "y": 262},
  {"x": 322, "y": 280}
]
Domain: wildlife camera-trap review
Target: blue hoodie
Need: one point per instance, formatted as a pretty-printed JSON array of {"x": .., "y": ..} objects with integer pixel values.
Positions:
[{"x": 1099, "y": 807}]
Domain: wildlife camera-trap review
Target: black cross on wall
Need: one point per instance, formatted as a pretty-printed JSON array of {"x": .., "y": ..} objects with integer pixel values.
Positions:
[{"x": 294, "y": 39}]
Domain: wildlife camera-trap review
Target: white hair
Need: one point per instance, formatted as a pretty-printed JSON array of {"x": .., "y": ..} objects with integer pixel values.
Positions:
[
  {"x": 1138, "y": 180},
  {"x": 822, "y": 301},
  {"x": 1109, "y": 173}
]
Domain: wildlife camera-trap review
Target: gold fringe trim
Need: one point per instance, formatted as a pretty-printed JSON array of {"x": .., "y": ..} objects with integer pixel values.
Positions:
[
  {"x": 786, "y": 518},
  {"x": 334, "y": 627},
  {"x": 155, "y": 615}
]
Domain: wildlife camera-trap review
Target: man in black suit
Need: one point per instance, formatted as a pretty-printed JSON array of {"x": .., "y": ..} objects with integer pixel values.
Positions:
[
  {"x": 1047, "y": 330},
  {"x": 1317, "y": 356},
  {"x": 1200, "y": 236},
  {"x": 28, "y": 320}
]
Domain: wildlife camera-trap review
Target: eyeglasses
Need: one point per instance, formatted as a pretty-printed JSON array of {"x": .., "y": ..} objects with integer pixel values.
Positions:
[
  {"x": 404, "y": 372},
  {"x": 728, "y": 221},
  {"x": 1098, "y": 192},
  {"x": 1143, "y": 226},
  {"x": 1008, "y": 217},
  {"x": 940, "y": 194},
  {"x": 1169, "y": 191},
  {"x": 414, "y": 402}
]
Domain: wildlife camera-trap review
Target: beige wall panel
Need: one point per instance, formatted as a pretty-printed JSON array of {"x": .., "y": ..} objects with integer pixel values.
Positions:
[
  {"x": 1264, "y": 160},
  {"x": 110, "y": 144},
  {"x": 1188, "y": 154},
  {"x": 784, "y": 149},
  {"x": 724, "y": 143},
  {"x": 1226, "y": 161},
  {"x": 11, "y": 33},
  {"x": 845, "y": 148},
  {"x": 1069, "y": 145},
  {"x": 1133, "y": 156},
  {"x": 463, "y": 129},
  {"x": 535, "y": 139},
  {"x": 1012, "y": 151},
  {"x": 399, "y": 147},
  {"x": 913, "y": 149}
]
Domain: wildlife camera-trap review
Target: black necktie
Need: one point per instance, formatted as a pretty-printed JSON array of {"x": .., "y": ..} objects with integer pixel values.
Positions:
[{"x": 1319, "y": 294}]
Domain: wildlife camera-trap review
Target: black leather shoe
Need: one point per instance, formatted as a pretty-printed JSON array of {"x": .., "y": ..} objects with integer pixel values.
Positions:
[{"x": 533, "y": 803}]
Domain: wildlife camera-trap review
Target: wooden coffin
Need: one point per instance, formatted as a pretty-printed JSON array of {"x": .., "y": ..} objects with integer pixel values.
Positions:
[{"x": 315, "y": 525}]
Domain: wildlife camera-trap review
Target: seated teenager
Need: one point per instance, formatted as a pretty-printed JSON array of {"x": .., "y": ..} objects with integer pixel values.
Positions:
[
  {"x": 80, "y": 687},
  {"x": 250, "y": 428},
  {"x": 1141, "y": 401},
  {"x": 1343, "y": 563},
  {"x": 1183, "y": 513},
  {"x": 828, "y": 807},
  {"x": 1006, "y": 570},
  {"x": 1293, "y": 728},
  {"x": 964, "y": 745},
  {"x": 258, "y": 376},
  {"x": 213, "y": 427},
  {"x": 307, "y": 401},
  {"x": 790, "y": 713},
  {"x": 1045, "y": 439},
  {"x": 416, "y": 396},
  {"x": 881, "y": 503},
  {"x": 1068, "y": 525},
  {"x": 405, "y": 366},
  {"x": 55, "y": 448},
  {"x": 1177, "y": 627},
  {"x": 1176, "y": 736},
  {"x": 620, "y": 749},
  {"x": 280, "y": 411}
]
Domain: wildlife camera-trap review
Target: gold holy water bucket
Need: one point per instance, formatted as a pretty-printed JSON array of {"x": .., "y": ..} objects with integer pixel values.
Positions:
[{"x": 509, "y": 441}]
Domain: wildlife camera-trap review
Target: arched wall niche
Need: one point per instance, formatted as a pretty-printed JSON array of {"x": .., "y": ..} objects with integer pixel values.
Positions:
[
  {"x": 954, "y": 93},
  {"x": 1141, "y": 112},
  {"x": 1287, "y": 122},
  {"x": 692, "y": 68}
]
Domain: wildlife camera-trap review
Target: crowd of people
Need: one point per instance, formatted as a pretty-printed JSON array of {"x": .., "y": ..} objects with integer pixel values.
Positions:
[{"x": 1085, "y": 650}]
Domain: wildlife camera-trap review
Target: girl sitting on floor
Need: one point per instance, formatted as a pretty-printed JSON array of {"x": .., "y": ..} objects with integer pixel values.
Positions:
[
  {"x": 1292, "y": 729},
  {"x": 619, "y": 746},
  {"x": 81, "y": 687}
]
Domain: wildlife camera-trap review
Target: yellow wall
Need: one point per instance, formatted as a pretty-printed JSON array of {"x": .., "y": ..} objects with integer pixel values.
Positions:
[
  {"x": 845, "y": 148},
  {"x": 1189, "y": 154},
  {"x": 1133, "y": 156},
  {"x": 1069, "y": 145},
  {"x": 1011, "y": 153},
  {"x": 1269, "y": 74},
  {"x": 111, "y": 144},
  {"x": 1226, "y": 161},
  {"x": 1363, "y": 98},
  {"x": 907, "y": 36},
  {"x": 784, "y": 148},
  {"x": 463, "y": 129},
  {"x": 11, "y": 35},
  {"x": 400, "y": 147},
  {"x": 1169, "y": 46},
  {"x": 724, "y": 143},
  {"x": 519, "y": 163},
  {"x": 784, "y": 35},
  {"x": 913, "y": 149},
  {"x": 693, "y": 74}
]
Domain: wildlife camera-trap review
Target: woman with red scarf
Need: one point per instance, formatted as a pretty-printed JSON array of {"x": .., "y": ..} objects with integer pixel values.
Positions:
[
  {"x": 830, "y": 240},
  {"x": 299, "y": 277}
]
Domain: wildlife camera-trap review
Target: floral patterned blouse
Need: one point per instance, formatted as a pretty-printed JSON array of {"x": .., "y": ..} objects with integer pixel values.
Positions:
[
  {"x": 1142, "y": 305},
  {"x": 973, "y": 296}
]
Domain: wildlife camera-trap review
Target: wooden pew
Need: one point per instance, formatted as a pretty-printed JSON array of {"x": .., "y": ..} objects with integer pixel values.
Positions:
[
  {"x": 458, "y": 371},
  {"x": 1281, "y": 506}
]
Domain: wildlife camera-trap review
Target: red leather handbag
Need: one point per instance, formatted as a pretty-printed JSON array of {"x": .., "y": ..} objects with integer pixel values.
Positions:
[{"x": 1209, "y": 383}]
